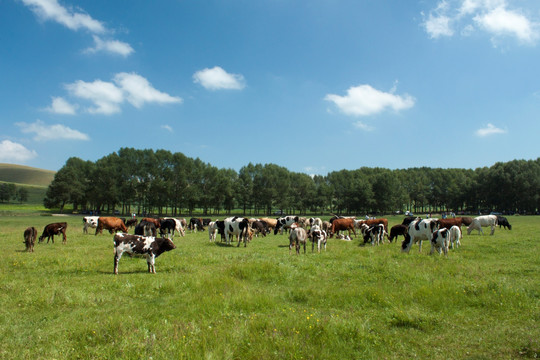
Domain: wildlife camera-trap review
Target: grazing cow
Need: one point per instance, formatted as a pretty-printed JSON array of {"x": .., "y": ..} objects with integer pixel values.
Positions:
[
  {"x": 167, "y": 227},
  {"x": 502, "y": 221},
  {"x": 196, "y": 224},
  {"x": 111, "y": 223},
  {"x": 342, "y": 225},
  {"x": 54, "y": 229},
  {"x": 317, "y": 236},
  {"x": 455, "y": 236},
  {"x": 155, "y": 221},
  {"x": 145, "y": 245},
  {"x": 285, "y": 222},
  {"x": 206, "y": 221},
  {"x": 236, "y": 226},
  {"x": 375, "y": 233},
  {"x": 466, "y": 221},
  {"x": 259, "y": 227},
  {"x": 420, "y": 229},
  {"x": 179, "y": 227},
  {"x": 396, "y": 230},
  {"x": 483, "y": 221},
  {"x": 89, "y": 221},
  {"x": 131, "y": 222},
  {"x": 146, "y": 228},
  {"x": 449, "y": 222},
  {"x": 297, "y": 237},
  {"x": 270, "y": 223},
  {"x": 409, "y": 219},
  {"x": 30, "y": 235},
  {"x": 440, "y": 240}
]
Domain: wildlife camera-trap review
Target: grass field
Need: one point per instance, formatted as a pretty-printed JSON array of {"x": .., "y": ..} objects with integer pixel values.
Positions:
[{"x": 212, "y": 301}]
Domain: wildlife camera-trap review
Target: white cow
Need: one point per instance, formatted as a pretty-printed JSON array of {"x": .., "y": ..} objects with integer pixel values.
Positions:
[
  {"x": 89, "y": 221},
  {"x": 315, "y": 222},
  {"x": 212, "y": 231},
  {"x": 483, "y": 221},
  {"x": 455, "y": 236},
  {"x": 297, "y": 237},
  {"x": 419, "y": 230}
]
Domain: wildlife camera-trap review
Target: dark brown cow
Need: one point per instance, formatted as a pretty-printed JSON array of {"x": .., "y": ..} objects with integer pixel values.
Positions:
[
  {"x": 398, "y": 230},
  {"x": 448, "y": 223},
  {"x": 110, "y": 223},
  {"x": 341, "y": 225},
  {"x": 54, "y": 229},
  {"x": 30, "y": 235},
  {"x": 156, "y": 222},
  {"x": 145, "y": 245}
]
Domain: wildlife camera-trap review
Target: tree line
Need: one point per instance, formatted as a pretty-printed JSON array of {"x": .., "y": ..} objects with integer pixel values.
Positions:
[
  {"x": 160, "y": 182},
  {"x": 10, "y": 191}
]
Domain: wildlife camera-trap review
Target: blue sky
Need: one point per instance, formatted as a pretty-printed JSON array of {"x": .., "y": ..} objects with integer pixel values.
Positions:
[{"x": 314, "y": 86}]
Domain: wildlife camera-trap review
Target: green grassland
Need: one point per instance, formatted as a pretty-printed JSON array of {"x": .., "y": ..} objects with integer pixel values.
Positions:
[
  {"x": 213, "y": 301},
  {"x": 20, "y": 174}
]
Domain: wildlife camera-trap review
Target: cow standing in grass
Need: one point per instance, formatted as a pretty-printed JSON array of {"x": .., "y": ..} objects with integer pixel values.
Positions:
[
  {"x": 145, "y": 245},
  {"x": 54, "y": 229},
  {"x": 30, "y": 235}
]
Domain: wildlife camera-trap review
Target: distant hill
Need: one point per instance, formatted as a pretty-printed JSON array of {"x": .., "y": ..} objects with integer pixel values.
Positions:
[{"x": 25, "y": 175}]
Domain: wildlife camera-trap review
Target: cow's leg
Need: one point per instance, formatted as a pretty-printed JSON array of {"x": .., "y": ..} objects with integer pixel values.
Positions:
[
  {"x": 419, "y": 245},
  {"x": 64, "y": 239},
  {"x": 150, "y": 259},
  {"x": 117, "y": 256},
  {"x": 492, "y": 229}
]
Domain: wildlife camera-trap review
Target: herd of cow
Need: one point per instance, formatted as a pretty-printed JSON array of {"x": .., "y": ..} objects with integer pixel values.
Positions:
[{"x": 442, "y": 233}]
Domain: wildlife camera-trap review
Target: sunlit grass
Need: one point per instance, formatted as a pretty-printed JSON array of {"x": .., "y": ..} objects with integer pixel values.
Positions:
[{"x": 213, "y": 301}]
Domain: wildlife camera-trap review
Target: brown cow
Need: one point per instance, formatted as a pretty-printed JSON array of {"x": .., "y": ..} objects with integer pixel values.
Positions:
[
  {"x": 342, "y": 224},
  {"x": 371, "y": 222},
  {"x": 110, "y": 223},
  {"x": 272, "y": 223},
  {"x": 466, "y": 221},
  {"x": 396, "y": 230},
  {"x": 30, "y": 235},
  {"x": 54, "y": 229},
  {"x": 156, "y": 222},
  {"x": 449, "y": 222}
]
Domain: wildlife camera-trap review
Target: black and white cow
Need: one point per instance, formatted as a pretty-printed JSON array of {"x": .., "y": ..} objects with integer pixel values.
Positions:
[
  {"x": 238, "y": 226},
  {"x": 440, "y": 240},
  {"x": 419, "y": 230},
  {"x": 285, "y": 222},
  {"x": 317, "y": 236},
  {"x": 145, "y": 245},
  {"x": 167, "y": 227}
]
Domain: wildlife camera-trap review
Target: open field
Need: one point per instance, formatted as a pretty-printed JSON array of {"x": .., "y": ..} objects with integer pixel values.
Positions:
[{"x": 213, "y": 301}]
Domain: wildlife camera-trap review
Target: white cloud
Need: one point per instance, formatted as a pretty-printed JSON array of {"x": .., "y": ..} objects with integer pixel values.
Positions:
[
  {"x": 109, "y": 96},
  {"x": 111, "y": 46},
  {"x": 105, "y": 95},
  {"x": 217, "y": 79},
  {"x": 502, "y": 22},
  {"x": 167, "y": 127},
  {"x": 61, "y": 106},
  {"x": 494, "y": 17},
  {"x": 364, "y": 100},
  {"x": 13, "y": 153},
  {"x": 43, "y": 132},
  {"x": 70, "y": 18},
  {"x": 490, "y": 129},
  {"x": 137, "y": 90}
]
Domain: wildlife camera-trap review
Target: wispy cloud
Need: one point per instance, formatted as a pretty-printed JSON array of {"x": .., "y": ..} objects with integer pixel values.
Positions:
[
  {"x": 76, "y": 19},
  {"x": 43, "y": 132},
  {"x": 364, "y": 100},
  {"x": 111, "y": 46},
  {"x": 167, "y": 127},
  {"x": 61, "y": 106},
  {"x": 495, "y": 17},
  {"x": 218, "y": 79},
  {"x": 14, "y": 153},
  {"x": 489, "y": 130},
  {"x": 126, "y": 87}
]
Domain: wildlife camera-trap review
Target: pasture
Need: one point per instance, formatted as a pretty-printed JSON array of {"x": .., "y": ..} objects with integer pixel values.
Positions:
[{"x": 212, "y": 301}]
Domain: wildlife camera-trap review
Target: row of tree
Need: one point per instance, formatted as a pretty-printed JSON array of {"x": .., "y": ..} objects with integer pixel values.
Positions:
[
  {"x": 161, "y": 182},
  {"x": 10, "y": 191}
]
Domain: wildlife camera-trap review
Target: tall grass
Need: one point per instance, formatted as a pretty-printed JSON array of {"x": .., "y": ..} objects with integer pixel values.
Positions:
[{"x": 213, "y": 301}]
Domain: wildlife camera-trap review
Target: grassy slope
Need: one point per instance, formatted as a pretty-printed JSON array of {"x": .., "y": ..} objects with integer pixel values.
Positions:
[
  {"x": 220, "y": 302},
  {"x": 26, "y": 175}
]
